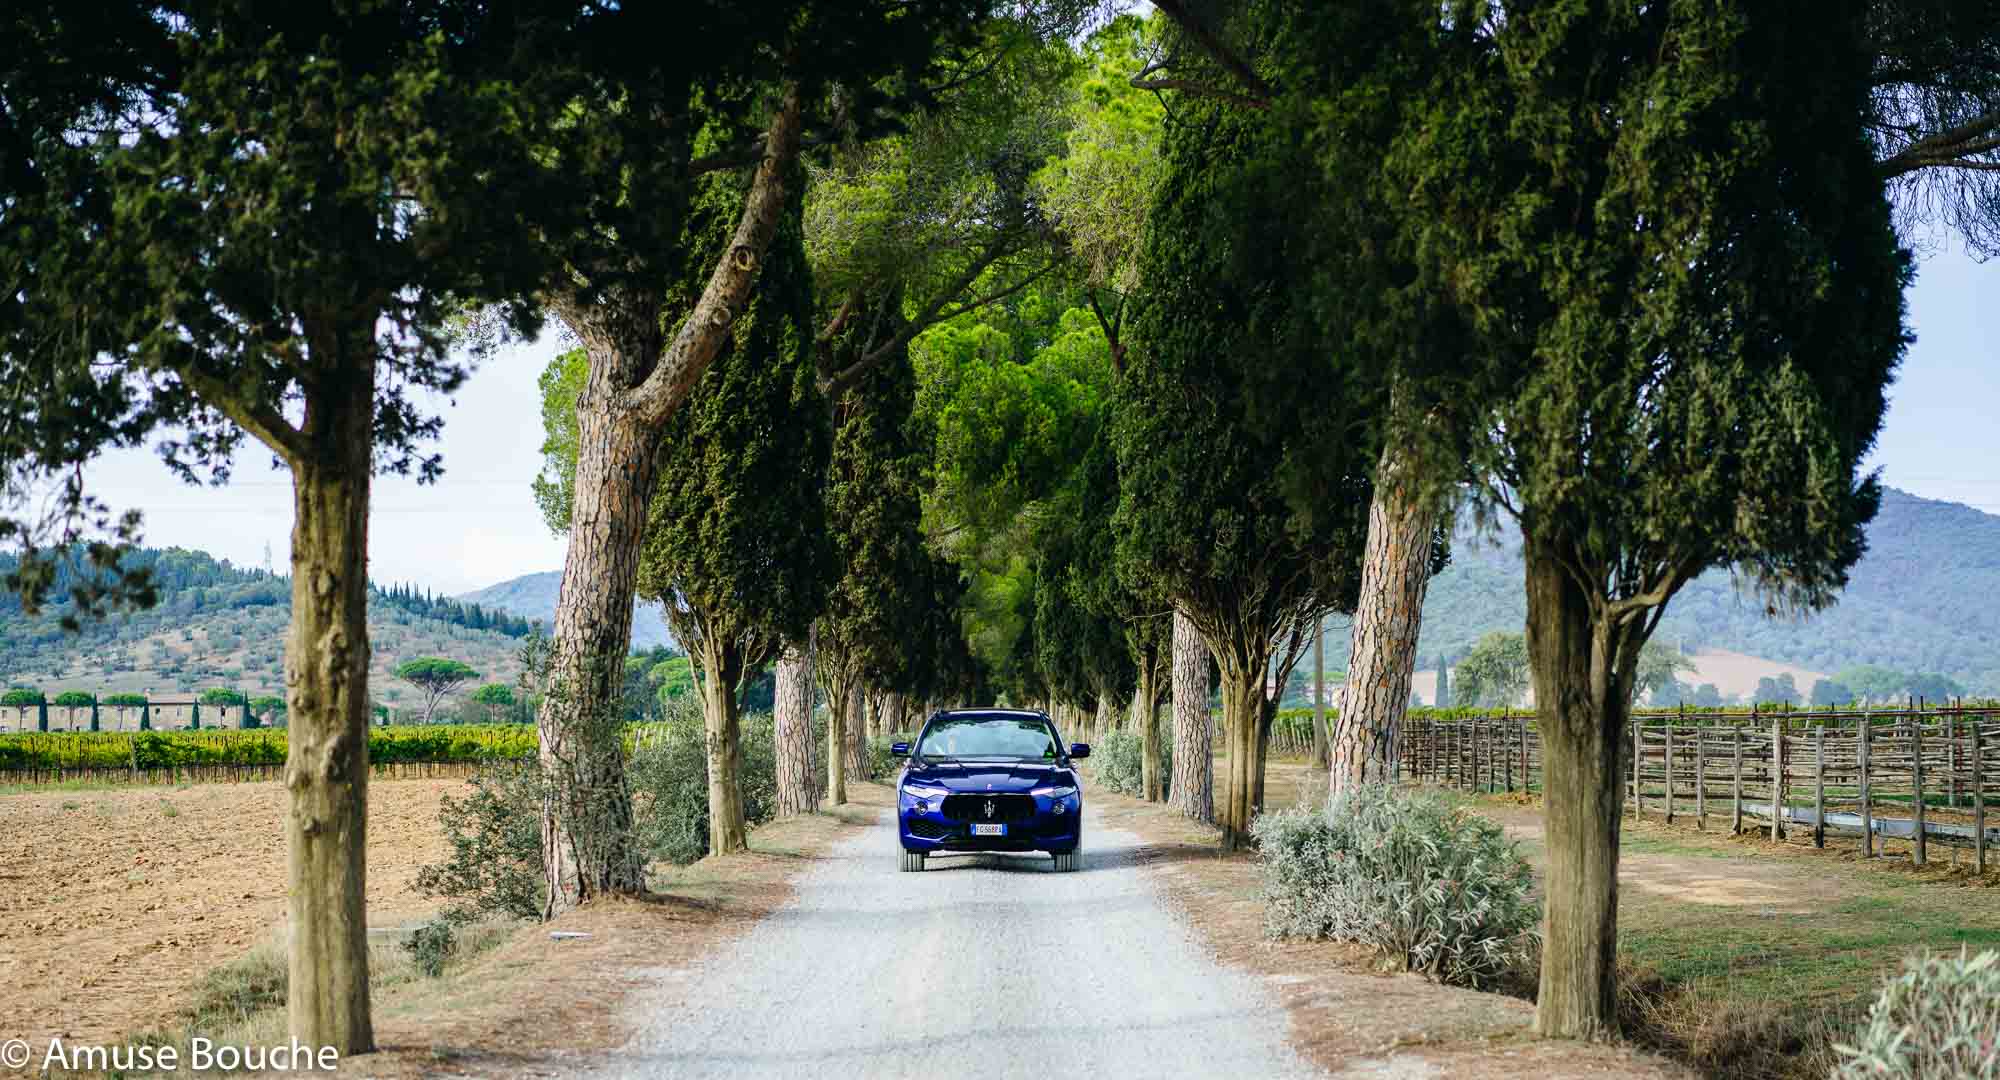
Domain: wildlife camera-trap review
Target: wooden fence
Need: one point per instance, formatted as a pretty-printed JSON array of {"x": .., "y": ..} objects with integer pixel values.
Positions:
[{"x": 1919, "y": 775}]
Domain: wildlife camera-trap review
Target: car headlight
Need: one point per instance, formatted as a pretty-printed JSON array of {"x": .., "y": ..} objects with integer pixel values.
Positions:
[
  {"x": 1062, "y": 792},
  {"x": 922, "y": 796}
]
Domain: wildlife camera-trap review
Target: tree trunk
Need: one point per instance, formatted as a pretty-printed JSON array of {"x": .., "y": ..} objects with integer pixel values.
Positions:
[
  {"x": 1106, "y": 714},
  {"x": 857, "y": 735},
  {"x": 1146, "y": 711},
  {"x": 1267, "y": 715},
  {"x": 1192, "y": 790},
  {"x": 1242, "y": 721},
  {"x": 836, "y": 738},
  {"x": 326, "y": 696},
  {"x": 1395, "y": 571},
  {"x": 1322, "y": 745},
  {"x": 722, "y": 721},
  {"x": 792, "y": 737},
  {"x": 1581, "y": 726},
  {"x": 586, "y": 823}
]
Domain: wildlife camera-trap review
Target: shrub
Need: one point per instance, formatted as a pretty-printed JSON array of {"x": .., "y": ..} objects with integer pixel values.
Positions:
[
  {"x": 883, "y": 765},
  {"x": 495, "y": 836},
  {"x": 431, "y": 944},
  {"x": 1117, "y": 764},
  {"x": 72, "y": 699},
  {"x": 1939, "y": 1018},
  {"x": 669, "y": 776},
  {"x": 1431, "y": 886}
]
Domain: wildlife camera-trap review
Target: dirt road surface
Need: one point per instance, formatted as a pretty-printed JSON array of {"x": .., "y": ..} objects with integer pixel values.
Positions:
[{"x": 988, "y": 965}]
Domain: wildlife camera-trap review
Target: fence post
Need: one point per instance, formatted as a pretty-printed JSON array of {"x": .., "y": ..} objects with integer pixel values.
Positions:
[
  {"x": 1867, "y": 807},
  {"x": 1819, "y": 785},
  {"x": 1507, "y": 752},
  {"x": 1978, "y": 803},
  {"x": 1951, "y": 760},
  {"x": 1669, "y": 728},
  {"x": 1736, "y": 775},
  {"x": 1700, "y": 779},
  {"x": 1527, "y": 776},
  {"x": 1777, "y": 778},
  {"x": 1638, "y": 755},
  {"x": 1917, "y": 782}
]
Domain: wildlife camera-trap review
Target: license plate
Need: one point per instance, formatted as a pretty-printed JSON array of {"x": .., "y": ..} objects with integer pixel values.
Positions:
[{"x": 989, "y": 830}]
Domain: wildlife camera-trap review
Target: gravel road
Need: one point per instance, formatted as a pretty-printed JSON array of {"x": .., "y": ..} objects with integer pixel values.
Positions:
[{"x": 981, "y": 966}]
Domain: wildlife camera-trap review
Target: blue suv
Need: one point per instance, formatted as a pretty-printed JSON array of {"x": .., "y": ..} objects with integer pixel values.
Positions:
[{"x": 989, "y": 780}]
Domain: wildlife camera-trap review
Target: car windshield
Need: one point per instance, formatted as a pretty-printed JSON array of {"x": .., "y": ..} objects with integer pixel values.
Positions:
[{"x": 1012, "y": 738}]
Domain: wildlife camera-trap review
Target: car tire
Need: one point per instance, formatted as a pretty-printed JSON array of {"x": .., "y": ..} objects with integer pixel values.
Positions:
[{"x": 913, "y": 861}]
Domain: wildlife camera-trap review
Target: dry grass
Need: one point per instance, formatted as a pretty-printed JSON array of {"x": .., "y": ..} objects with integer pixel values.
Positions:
[
  {"x": 1347, "y": 1015},
  {"x": 1748, "y": 958}
]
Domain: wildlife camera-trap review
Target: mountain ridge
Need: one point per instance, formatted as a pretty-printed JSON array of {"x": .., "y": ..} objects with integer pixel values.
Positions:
[
  {"x": 1917, "y": 600},
  {"x": 533, "y": 596}
]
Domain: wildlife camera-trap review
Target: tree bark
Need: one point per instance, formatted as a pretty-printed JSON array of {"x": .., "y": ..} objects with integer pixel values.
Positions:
[
  {"x": 837, "y": 687},
  {"x": 857, "y": 734},
  {"x": 587, "y": 815},
  {"x": 722, "y": 721},
  {"x": 1322, "y": 744},
  {"x": 1242, "y": 722},
  {"x": 793, "y": 742},
  {"x": 637, "y": 379},
  {"x": 326, "y": 697},
  {"x": 1395, "y": 572},
  {"x": 1192, "y": 790},
  {"x": 1146, "y": 711},
  {"x": 1581, "y": 715}
]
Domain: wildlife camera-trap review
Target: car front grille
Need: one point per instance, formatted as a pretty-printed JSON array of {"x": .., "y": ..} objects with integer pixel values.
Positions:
[
  {"x": 1005, "y": 808},
  {"x": 930, "y": 830}
]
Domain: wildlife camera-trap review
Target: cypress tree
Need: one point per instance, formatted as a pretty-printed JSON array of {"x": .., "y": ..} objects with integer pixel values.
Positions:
[{"x": 735, "y": 542}]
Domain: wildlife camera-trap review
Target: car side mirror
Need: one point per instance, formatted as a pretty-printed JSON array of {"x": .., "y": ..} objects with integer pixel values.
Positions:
[
  {"x": 1079, "y": 749},
  {"x": 901, "y": 749}
]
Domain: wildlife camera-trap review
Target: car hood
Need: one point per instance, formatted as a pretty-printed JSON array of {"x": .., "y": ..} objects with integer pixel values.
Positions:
[{"x": 982, "y": 776}]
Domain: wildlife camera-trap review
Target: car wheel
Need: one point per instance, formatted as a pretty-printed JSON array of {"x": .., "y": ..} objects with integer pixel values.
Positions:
[{"x": 913, "y": 861}]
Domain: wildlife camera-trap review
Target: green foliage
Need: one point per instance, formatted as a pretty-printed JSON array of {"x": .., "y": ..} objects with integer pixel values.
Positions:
[
  {"x": 1935, "y": 1019},
  {"x": 1099, "y": 188},
  {"x": 21, "y": 696},
  {"x": 1430, "y": 885},
  {"x": 494, "y": 833},
  {"x": 73, "y": 699},
  {"x": 1639, "y": 438},
  {"x": 736, "y": 541},
  {"x": 1116, "y": 760},
  {"x": 1495, "y": 671},
  {"x": 431, "y": 945},
  {"x": 1829, "y": 692},
  {"x": 494, "y": 694},
  {"x": 1242, "y": 488},
  {"x": 135, "y": 700},
  {"x": 218, "y": 695},
  {"x": 430, "y": 672},
  {"x": 669, "y": 778},
  {"x": 1777, "y": 691}
]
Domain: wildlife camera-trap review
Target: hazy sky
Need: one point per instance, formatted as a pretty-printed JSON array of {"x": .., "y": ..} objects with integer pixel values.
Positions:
[{"x": 478, "y": 525}]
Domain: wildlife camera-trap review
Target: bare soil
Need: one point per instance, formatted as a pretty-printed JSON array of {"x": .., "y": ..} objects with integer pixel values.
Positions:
[
  {"x": 1347, "y": 1016},
  {"x": 116, "y": 900}
]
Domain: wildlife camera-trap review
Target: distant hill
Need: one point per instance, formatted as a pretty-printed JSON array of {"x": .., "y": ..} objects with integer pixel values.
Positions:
[
  {"x": 1920, "y": 600},
  {"x": 218, "y": 625},
  {"x": 533, "y": 596}
]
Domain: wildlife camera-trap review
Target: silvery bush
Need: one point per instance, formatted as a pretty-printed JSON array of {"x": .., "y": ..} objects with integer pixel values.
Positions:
[
  {"x": 1117, "y": 765},
  {"x": 1939, "y": 1018},
  {"x": 1432, "y": 886}
]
